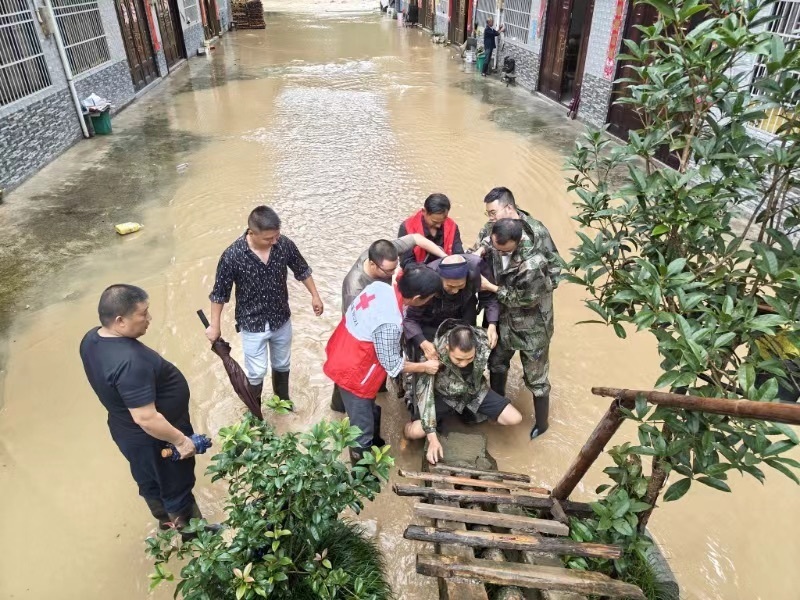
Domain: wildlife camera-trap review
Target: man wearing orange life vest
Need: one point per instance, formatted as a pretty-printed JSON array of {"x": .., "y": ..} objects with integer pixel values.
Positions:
[
  {"x": 433, "y": 222},
  {"x": 365, "y": 347}
]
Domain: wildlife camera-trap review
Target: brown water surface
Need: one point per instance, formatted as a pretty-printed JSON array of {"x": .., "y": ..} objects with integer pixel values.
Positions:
[{"x": 343, "y": 124}]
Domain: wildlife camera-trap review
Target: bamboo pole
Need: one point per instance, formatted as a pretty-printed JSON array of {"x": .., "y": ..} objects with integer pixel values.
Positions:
[
  {"x": 442, "y": 468},
  {"x": 478, "y": 483},
  {"x": 602, "y": 434},
  {"x": 742, "y": 409}
]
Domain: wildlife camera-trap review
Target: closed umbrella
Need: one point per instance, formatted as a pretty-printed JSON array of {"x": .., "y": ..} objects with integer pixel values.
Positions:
[{"x": 235, "y": 373}]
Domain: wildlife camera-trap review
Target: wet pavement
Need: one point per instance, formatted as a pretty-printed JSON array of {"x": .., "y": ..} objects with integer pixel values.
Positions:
[{"x": 343, "y": 124}]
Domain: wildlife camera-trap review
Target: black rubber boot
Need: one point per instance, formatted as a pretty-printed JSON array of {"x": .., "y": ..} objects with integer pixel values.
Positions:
[
  {"x": 256, "y": 389},
  {"x": 336, "y": 400},
  {"x": 377, "y": 440},
  {"x": 356, "y": 454},
  {"x": 280, "y": 384},
  {"x": 159, "y": 512},
  {"x": 181, "y": 520},
  {"x": 541, "y": 412},
  {"x": 497, "y": 381}
]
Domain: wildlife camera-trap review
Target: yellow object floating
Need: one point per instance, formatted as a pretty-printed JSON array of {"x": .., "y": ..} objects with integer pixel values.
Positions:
[{"x": 126, "y": 228}]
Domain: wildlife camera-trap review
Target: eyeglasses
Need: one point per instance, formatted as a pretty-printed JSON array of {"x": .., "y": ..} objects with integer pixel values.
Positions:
[
  {"x": 387, "y": 272},
  {"x": 490, "y": 213}
]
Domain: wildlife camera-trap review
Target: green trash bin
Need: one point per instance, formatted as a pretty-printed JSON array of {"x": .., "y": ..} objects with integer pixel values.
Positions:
[
  {"x": 102, "y": 122},
  {"x": 480, "y": 62}
]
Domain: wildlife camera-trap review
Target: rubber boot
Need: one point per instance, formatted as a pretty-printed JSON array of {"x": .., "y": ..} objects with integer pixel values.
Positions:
[
  {"x": 159, "y": 512},
  {"x": 336, "y": 400},
  {"x": 541, "y": 412},
  {"x": 497, "y": 381},
  {"x": 256, "y": 389},
  {"x": 280, "y": 384},
  {"x": 377, "y": 440},
  {"x": 356, "y": 454}
]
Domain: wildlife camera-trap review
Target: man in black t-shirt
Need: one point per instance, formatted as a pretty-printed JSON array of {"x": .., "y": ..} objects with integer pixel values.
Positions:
[{"x": 147, "y": 399}]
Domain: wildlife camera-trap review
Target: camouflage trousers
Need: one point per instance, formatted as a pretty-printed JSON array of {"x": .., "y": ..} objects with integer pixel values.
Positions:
[{"x": 535, "y": 366}]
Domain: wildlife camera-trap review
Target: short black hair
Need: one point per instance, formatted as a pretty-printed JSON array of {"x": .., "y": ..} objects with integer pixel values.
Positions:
[
  {"x": 462, "y": 338},
  {"x": 263, "y": 218},
  {"x": 119, "y": 300},
  {"x": 381, "y": 250},
  {"x": 419, "y": 280},
  {"x": 507, "y": 230},
  {"x": 436, "y": 204},
  {"x": 502, "y": 195}
]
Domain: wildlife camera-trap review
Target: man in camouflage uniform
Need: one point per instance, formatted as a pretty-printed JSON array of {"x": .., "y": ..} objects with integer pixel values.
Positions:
[
  {"x": 460, "y": 386},
  {"x": 526, "y": 267}
]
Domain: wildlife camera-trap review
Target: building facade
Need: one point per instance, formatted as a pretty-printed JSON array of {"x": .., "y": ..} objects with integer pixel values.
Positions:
[{"x": 116, "y": 49}]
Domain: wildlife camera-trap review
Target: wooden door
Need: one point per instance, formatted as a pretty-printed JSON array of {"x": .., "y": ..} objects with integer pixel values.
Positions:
[
  {"x": 587, "y": 23},
  {"x": 171, "y": 34},
  {"x": 622, "y": 117},
  {"x": 555, "y": 45},
  {"x": 458, "y": 21},
  {"x": 136, "y": 38}
]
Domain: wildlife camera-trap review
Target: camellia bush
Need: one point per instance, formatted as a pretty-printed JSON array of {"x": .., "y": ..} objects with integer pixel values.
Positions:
[
  {"x": 283, "y": 537},
  {"x": 704, "y": 256}
]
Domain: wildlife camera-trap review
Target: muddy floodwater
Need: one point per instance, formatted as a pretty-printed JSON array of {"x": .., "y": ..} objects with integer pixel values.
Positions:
[{"x": 342, "y": 123}]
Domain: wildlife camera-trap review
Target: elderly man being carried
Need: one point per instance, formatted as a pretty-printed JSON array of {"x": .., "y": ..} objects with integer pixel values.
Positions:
[{"x": 459, "y": 387}]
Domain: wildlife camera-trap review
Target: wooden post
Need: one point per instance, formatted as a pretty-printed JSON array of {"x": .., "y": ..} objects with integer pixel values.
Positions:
[
  {"x": 597, "y": 441},
  {"x": 775, "y": 412},
  {"x": 525, "y": 500},
  {"x": 478, "y": 483}
]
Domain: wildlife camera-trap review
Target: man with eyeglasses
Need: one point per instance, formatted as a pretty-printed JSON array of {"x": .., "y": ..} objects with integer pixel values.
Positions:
[
  {"x": 378, "y": 263},
  {"x": 525, "y": 265}
]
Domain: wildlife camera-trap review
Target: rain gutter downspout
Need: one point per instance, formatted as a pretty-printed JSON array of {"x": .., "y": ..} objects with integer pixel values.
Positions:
[{"x": 62, "y": 54}]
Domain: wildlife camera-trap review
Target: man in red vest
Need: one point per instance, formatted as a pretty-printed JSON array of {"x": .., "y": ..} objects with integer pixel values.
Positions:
[
  {"x": 365, "y": 348},
  {"x": 432, "y": 222}
]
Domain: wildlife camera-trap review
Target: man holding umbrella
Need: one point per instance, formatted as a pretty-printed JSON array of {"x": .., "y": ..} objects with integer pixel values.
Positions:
[
  {"x": 147, "y": 399},
  {"x": 257, "y": 264}
]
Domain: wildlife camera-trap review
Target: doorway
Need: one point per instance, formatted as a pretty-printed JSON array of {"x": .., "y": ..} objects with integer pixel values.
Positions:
[
  {"x": 458, "y": 21},
  {"x": 136, "y": 38},
  {"x": 211, "y": 25},
  {"x": 565, "y": 43},
  {"x": 171, "y": 31}
]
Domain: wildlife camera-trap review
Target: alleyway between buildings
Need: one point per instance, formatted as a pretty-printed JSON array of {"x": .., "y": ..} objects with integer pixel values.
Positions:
[{"x": 343, "y": 124}]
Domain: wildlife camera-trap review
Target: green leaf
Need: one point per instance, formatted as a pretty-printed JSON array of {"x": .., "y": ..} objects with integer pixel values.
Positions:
[
  {"x": 660, "y": 230},
  {"x": 788, "y": 431},
  {"x": 717, "y": 484},
  {"x": 676, "y": 266},
  {"x": 677, "y": 490},
  {"x": 623, "y": 527},
  {"x": 620, "y": 331},
  {"x": 783, "y": 469},
  {"x": 778, "y": 447},
  {"x": 241, "y": 591}
]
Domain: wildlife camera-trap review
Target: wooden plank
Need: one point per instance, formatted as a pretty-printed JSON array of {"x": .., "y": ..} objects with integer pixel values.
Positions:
[
  {"x": 510, "y": 541},
  {"x": 442, "y": 468},
  {"x": 476, "y": 483},
  {"x": 558, "y": 512},
  {"x": 482, "y": 517},
  {"x": 527, "y": 576},
  {"x": 489, "y": 498}
]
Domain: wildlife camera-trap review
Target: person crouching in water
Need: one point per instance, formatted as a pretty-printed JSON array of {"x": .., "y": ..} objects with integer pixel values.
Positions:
[
  {"x": 459, "y": 387},
  {"x": 365, "y": 348}
]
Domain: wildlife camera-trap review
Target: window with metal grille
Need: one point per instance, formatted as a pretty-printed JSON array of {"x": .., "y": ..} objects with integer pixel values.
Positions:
[
  {"x": 485, "y": 9},
  {"x": 23, "y": 70},
  {"x": 191, "y": 10},
  {"x": 82, "y": 30},
  {"x": 787, "y": 26},
  {"x": 517, "y": 19}
]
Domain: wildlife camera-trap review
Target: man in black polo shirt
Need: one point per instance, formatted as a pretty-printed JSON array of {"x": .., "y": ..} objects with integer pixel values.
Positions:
[
  {"x": 257, "y": 263},
  {"x": 147, "y": 399}
]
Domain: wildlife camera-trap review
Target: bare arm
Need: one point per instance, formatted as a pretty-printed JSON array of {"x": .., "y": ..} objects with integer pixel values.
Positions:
[
  {"x": 428, "y": 245},
  {"x": 155, "y": 425},
  {"x": 215, "y": 329},
  {"x": 316, "y": 301}
]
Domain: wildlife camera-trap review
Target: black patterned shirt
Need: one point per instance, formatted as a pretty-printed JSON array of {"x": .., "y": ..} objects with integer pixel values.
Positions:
[{"x": 262, "y": 297}]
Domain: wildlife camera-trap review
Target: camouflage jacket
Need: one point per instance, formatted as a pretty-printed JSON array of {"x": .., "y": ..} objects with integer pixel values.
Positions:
[
  {"x": 449, "y": 385},
  {"x": 535, "y": 238}
]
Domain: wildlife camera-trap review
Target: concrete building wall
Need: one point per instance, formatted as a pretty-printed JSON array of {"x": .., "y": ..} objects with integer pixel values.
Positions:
[
  {"x": 527, "y": 56},
  {"x": 605, "y": 39},
  {"x": 441, "y": 24},
  {"x": 193, "y": 38},
  {"x": 36, "y": 129}
]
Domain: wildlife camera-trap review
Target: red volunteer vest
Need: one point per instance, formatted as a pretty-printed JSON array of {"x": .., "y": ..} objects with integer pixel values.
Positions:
[
  {"x": 414, "y": 224},
  {"x": 352, "y": 362}
]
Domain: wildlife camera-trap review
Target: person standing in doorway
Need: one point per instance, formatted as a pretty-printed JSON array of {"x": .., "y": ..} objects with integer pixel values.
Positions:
[
  {"x": 365, "y": 348},
  {"x": 257, "y": 264},
  {"x": 433, "y": 222},
  {"x": 490, "y": 43},
  {"x": 147, "y": 399}
]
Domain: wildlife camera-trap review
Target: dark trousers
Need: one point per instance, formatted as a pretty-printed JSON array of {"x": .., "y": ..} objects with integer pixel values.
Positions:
[
  {"x": 158, "y": 478},
  {"x": 363, "y": 413},
  {"x": 487, "y": 64}
]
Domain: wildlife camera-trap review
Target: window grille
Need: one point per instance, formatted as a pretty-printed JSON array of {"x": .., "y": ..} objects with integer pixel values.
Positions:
[
  {"x": 786, "y": 26},
  {"x": 82, "y": 30},
  {"x": 23, "y": 70},
  {"x": 485, "y": 9},
  {"x": 191, "y": 10},
  {"x": 517, "y": 19}
]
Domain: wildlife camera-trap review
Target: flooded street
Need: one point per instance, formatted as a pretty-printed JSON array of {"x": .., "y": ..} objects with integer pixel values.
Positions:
[{"x": 343, "y": 124}]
